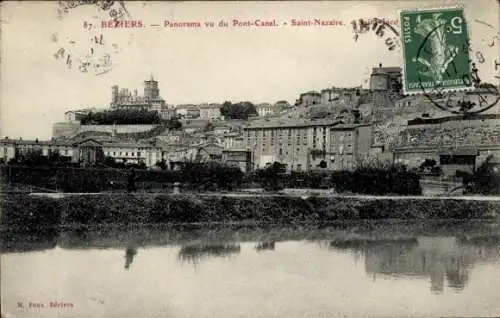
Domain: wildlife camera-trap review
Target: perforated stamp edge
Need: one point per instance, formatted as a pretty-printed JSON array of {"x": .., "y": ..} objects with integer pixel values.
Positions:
[{"x": 420, "y": 91}]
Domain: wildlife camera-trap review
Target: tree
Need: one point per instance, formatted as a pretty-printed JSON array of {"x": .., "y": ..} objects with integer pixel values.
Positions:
[
  {"x": 241, "y": 110},
  {"x": 109, "y": 161},
  {"x": 484, "y": 180},
  {"x": 162, "y": 164},
  {"x": 173, "y": 124},
  {"x": 270, "y": 177},
  {"x": 208, "y": 127},
  {"x": 122, "y": 117},
  {"x": 33, "y": 158}
]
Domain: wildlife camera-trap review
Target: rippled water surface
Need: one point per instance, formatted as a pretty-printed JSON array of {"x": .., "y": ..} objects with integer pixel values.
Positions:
[{"x": 371, "y": 269}]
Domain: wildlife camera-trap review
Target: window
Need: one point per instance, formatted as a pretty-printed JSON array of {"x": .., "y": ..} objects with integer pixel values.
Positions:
[
  {"x": 281, "y": 152},
  {"x": 138, "y": 154},
  {"x": 66, "y": 151},
  {"x": 126, "y": 153},
  {"x": 120, "y": 153}
]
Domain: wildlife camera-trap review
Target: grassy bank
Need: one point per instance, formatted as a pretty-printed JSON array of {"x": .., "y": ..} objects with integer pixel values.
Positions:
[{"x": 41, "y": 212}]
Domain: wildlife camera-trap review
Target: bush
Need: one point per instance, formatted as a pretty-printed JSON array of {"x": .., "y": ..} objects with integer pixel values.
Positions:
[
  {"x": 211, "y": 176},
  {"x": 271, "y": 178},
  {"x": 69, "y": 179},
  {"x": 484, "y": 180},
  {"x": 395, "y": 180}
]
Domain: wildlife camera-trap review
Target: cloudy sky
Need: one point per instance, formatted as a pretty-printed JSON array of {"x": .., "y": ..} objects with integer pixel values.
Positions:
[{"x": 194, "y": 65}]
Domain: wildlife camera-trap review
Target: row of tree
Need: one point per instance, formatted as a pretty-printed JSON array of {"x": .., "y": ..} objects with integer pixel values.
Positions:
[
  {"x": 241, "y": 110},
  {"x": 122, "y": 117},
  {"x": 485, "y": 179}
]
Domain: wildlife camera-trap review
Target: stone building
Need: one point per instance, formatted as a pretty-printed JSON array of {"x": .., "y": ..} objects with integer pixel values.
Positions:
[
  {"x": 309, "y": 98},
  {"x": 87, "y": 152},
  {"x": 151, "y": 100},
  {"x": 209, "y": 111},
  {"x": 453, "y": 142},
  {"x": 304, "y": 145},
  {"x": 264, "y": 109},
  {"x": 239, "y": 158}
]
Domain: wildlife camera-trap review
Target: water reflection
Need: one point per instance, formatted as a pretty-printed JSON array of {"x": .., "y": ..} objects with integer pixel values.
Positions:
[
  {"x": 379, "y": 269},
  {"x": 265, "y": 246},
  {"x": 14, "y": 241},
  {"x": 130, "y": 252},
  {"x": 445, "y": 260},
  {"x": 196, "y": 253}
]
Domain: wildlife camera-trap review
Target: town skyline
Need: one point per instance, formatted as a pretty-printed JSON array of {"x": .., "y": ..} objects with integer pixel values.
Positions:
[{"x": 191, "y": 66}]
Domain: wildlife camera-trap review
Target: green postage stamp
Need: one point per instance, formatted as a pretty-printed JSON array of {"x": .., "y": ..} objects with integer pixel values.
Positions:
[{"x": 435, "y": 51}]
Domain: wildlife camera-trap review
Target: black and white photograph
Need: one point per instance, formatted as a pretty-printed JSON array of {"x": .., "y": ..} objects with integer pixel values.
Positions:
[{"x": 250, "y": 159}]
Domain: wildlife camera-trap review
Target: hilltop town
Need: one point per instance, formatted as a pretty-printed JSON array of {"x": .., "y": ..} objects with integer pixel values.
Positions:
[{"x": 335, "y": 128}]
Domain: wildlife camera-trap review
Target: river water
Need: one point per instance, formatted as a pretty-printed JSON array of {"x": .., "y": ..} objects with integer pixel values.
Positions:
[{"x": 347, "y": 270}]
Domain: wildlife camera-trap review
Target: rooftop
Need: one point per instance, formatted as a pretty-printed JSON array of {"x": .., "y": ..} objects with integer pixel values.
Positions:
[
  {"x": 35, "y": 142},
  {"x": 384, "y": 69},
  {"x": 127, "y": 145},
  {"x": 285, "y": 122},
  {"x": 210, "y": 106},
  {"x": 311, "y": 93}
]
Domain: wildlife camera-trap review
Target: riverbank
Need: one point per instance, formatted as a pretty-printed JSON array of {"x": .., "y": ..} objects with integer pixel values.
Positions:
[
  {"x": 38, "y": 212},
  {"x": 339, "y": 234}
]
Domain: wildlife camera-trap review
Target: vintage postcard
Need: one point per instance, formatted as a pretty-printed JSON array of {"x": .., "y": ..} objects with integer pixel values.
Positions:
[{"x": 260, "y": 159}]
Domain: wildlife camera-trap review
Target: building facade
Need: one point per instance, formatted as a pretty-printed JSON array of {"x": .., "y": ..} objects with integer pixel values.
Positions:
[
  {"x": 16, "y": 148},
  {"x": 453, "y": 142},
  {"x": 133, "y": 153},
  {"x": 210, "y": 111},
  {"x": 151, "y": 100},
  {"x": 187, "y": 111},
  {"x": 264, "y": 109},
  {"x": 241, "y": 159},
  {"x": 307, "y": 145},
  {"x": 87, "y": 152},
  {"x": 329, "y": 95},
  {"x": 309, "y": 98}
]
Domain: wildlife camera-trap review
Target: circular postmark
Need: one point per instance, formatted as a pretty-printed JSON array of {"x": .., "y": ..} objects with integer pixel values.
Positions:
[
  {"x": 472, "y": 96},
  {"x": 379, "y": 27},
  {"x": 116, "y": 9},
  {"x": 386, "y": 31}
]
